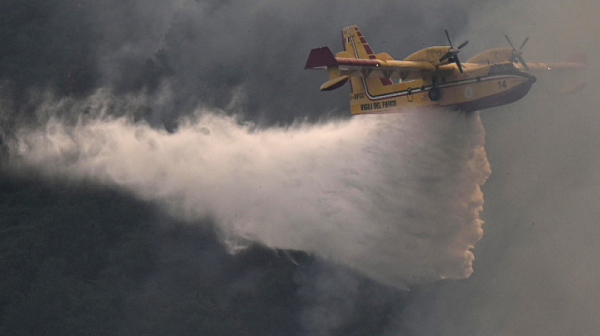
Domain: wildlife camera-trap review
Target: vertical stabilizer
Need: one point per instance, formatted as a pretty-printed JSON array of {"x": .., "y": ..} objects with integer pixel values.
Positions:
[{"x": 356, "y": 45}]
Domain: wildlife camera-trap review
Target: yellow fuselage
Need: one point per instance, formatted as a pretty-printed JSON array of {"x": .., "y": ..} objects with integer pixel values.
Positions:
[{"x": 479, "y": 86}]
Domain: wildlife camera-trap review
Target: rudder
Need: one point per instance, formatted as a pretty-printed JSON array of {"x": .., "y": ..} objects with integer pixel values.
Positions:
[
  {"x": 356, "y": 46},
  {"x": 355, "y": 42}
]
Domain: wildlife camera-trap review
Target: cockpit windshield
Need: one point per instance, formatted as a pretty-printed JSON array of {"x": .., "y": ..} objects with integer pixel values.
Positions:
[{"x": 502, "y": 68}]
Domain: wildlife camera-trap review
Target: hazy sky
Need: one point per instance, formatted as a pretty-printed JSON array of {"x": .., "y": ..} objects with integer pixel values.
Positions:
[{"x": 536, "y": 269}]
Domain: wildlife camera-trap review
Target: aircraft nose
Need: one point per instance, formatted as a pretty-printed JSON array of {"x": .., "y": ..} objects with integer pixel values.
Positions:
[{"x": 531, "y": 78}]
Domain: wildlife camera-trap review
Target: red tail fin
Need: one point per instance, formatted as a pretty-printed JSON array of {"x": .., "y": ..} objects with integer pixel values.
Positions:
[{"x": 320, "y": 58}]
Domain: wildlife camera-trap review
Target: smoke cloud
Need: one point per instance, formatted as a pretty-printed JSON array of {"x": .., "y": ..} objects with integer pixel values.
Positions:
[
  {"x": 395, "y": 197},
  {"x": 537, "y": 266}
]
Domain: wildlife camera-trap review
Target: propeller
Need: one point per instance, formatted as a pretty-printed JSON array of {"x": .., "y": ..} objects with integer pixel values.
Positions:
[
  {"x": 517, "y": 53},
  {"x": 452, "y": 54}
]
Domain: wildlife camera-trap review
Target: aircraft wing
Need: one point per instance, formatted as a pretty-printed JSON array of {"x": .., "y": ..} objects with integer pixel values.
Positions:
[
  {"x": 575, "y": 62},
  {"x": 571, "y": 81},
  {"x": 322, "y": 58},
  {"x": 391, "y": 66},
  {"x": 556, "y": 66}
]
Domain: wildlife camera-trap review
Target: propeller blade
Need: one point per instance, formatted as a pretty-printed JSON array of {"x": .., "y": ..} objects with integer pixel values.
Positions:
[
  {"x": 510, "y": 42},
  {"x": 514, "y": 58},
  {"x": 523, "y": 44},
  {"x": 459, "y": 65},
  {"x": 448, "y": 36},
  {"x": 523, "y": 62},
  {"x": 452, "y": 54}
]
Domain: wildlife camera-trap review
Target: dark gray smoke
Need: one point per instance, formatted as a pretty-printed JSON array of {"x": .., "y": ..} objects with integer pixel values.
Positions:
[
  {"x": 243, "y": 56},
  {"x": 536, "y": 267}
]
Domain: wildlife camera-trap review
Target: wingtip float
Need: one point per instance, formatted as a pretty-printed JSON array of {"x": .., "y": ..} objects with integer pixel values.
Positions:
[{"x": 432, "y": 76}]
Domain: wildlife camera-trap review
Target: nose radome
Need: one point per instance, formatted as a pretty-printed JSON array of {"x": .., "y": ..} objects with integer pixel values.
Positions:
[{"x": 533, "y": 79}]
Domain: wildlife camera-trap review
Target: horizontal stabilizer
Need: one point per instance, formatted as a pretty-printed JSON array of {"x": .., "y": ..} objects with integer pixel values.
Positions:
[
  {"x": 320, "y": 58},
  {"x": 334, "y": 83}
]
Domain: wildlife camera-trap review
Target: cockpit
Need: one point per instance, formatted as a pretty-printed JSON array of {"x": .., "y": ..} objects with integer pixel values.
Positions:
[{"x": 503, "y": 68}]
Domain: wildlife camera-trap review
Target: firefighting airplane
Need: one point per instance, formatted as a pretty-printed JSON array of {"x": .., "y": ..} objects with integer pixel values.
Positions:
[{"x": 431, "y": 76}]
